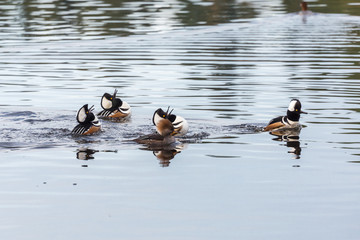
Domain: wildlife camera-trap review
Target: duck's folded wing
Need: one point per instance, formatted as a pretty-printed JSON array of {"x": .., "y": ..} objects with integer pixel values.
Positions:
[
  {"x": 274, "y": 123},
  {"x": 104, "y": 113},
  {"x": 80, "y": 129}
]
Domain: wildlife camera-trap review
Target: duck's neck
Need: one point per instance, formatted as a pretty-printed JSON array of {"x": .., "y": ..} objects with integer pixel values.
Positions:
[{"x": 293, "y": 116}]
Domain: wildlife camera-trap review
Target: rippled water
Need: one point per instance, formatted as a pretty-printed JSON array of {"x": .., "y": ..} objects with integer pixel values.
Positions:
[{"x": 228, "y": 67}]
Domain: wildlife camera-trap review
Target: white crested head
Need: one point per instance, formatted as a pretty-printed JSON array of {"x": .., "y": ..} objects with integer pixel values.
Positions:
[
  {"x": 294, "y": 105},
  {"x": 82, "y": 114},
  {"x": 106, "y": 102},
  {"x": 158, "y": 115},
  {"x": 156, "y": 119}
]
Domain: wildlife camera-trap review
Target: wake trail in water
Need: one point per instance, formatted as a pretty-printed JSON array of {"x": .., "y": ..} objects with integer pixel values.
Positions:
[{"x": 32, "y": 130}]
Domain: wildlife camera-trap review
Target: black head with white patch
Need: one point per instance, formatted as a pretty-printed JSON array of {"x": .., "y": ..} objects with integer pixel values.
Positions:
[
  {"x": 161, "y": 114},
  {"x": 85, "y": 114},
  {"x": 110, "y": 102},
  {"x": 294, "y": 110}
]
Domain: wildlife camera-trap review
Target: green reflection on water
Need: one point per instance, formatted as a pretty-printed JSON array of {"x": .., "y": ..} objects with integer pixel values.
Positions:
[{"x": 77, "y": 19}]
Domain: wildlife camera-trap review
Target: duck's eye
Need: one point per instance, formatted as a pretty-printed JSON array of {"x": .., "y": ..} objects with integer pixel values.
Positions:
[
  {"x": 87, "y": 112},
  {"x": 164, "y": 116},
  {"x": 296, "y": 110},
  {"x": 111, "y": 98}
]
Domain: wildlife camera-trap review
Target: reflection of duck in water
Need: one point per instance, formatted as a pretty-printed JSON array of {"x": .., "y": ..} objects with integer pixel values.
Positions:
[
  {"x": 114, "y": 107},
  {"x": 88, "y": 122},
  {"x": 290, "y": 121},
  {"x": 164, "y": 136},
  {"x": 291, "y": 137},
  {"x": 165, "y": 156},
  {"x": 85, "y": 154},
  {"x": 179, "y": 123},
  {"x": 167, "y": 153}
]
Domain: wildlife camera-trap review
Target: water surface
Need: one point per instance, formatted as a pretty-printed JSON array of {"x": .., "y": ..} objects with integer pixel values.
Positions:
[{"x": 228, "y": 68}]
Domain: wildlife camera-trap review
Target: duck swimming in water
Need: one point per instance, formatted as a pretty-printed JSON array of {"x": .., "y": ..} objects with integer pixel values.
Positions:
[
  {"x": 164, "y": 136},
  {"x": 114, "y": 107},
  {"x": 291, "y": 120},
  {"x": 88, "y": 122},
  {"x": 180, "y": 124}
]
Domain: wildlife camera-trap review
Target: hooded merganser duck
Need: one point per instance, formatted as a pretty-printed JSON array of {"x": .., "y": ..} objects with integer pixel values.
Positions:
[
  {"x": 163, "y": 137},
  {"x": 291, "y": 120},
  {"x": 180, "y": 124},
  {"x": 88, "y": 122},
  {"x": 114, "y": 107}
]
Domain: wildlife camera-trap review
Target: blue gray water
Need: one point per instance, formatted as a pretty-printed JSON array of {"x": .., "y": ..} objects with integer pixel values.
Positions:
[{"x": 228, "y": 68}]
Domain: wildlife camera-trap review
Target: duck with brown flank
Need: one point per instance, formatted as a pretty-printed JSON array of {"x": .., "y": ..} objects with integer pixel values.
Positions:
[
  {"x": 114, "y": 107},
  {"x": 88, "y": 122},
  {"x": 164, "y": 136},
  {"x": 291, "y": 120}
]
